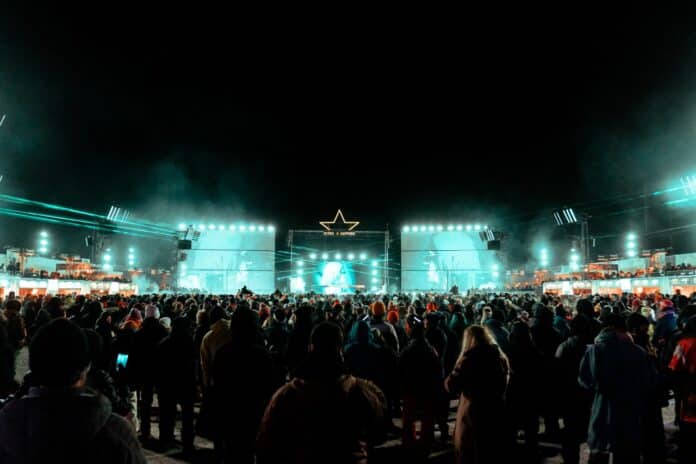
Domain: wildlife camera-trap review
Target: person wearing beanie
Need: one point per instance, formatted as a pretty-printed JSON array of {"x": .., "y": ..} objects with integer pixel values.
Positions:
[
  {"x": 135, "y": 317},
  {"x": 666, "y": 327},
  {"x": 152, "y": 311},
  {"x": 142, "y": 365},
  {"x": 60, "y": 420},
  {"x": 394, "y": 319},
  {"x": 615, "y": 364},
  {"x": 386, "y": 329}
]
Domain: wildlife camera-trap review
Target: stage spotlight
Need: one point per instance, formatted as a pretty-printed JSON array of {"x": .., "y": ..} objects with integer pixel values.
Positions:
[
  {"x": 450, "y": 227},
  {"x": 468, "y": 227},
  {"x": 351, "y": 256},
  {"x": 242, "y": 228},
  {"x": 262, "y": 228},
  {"x": 494, "y": 267},
  {"x": 460, "y": 227},
  {"x": 574, "y": 260},
  {"x": 374, "y": 280},
  {"x": 337, "y": 256},
  {"x": 431, "y": 228},
  {"x": 439, "y": 228},
  {"x": 406, "y": 229},
  {"x": 299, "y": 272},
  {"x": 43, "y": 242},
  {"x": 300, "y": 263},
  {"x": 477, "y": 227},
  {"x": 363, "y": 256},
  {"x": 374, "y": 272},
  {"x": 182, "y": 227},
  {"x": 375, "y": 263},
  {"x": 232, "y": 227},
  {"x": 221, "y": 227},
  {"x": 324, "y": 256},
  {"x": 422, "y": 228},
  {"x": 201, "y": 226},
  {"x": 565, "y": 216},
  {"x": 271, "y": 228},
  {"x": 43, "y": 234},
  {"x": 312, "y": 256},
  {"x": 211, "y": 226},
  {"x": 631, "y": 245},
  {"x": 252, "y": 228}
]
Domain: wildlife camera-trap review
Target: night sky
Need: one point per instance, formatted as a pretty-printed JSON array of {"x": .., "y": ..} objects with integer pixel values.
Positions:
[{"x": 219, "y": 116}]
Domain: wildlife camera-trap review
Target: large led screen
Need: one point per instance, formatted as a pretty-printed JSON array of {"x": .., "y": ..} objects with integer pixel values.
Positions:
[
  {"x": 223, "y": 261},
  {"x": 442, "y": 259}
]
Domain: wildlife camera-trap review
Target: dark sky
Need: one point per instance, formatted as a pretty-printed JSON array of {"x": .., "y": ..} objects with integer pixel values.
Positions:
[{"x": 392, "y": 118}]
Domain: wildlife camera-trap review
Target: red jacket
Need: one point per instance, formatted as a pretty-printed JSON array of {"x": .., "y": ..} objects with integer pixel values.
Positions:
[{"x": 684, "y": 362}]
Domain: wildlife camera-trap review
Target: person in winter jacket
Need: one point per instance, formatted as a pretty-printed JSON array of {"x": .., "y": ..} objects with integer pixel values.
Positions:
[
  {"x": 244, "y": 381},
  {"x": 420, "y": 377},
  {"x": 683, "y": 365},
  {"x": 480, "y": 377},
  {"x": 577, "y": 401},
  {"x": 323, "y": 414},
  {"x": 377, "y": 321},
  {"x": 620, "y": 375},
  {"x": 142, "y": 364},
  {"x": 176, "y": 383},
  {"x": 60, "y": 420}
]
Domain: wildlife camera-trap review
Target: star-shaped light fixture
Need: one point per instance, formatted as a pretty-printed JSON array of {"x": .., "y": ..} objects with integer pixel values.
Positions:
[{"x": 350, "y": 224}]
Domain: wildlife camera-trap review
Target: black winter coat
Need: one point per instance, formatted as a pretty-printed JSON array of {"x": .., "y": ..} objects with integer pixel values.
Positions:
[{"x": 66, "y": 425}]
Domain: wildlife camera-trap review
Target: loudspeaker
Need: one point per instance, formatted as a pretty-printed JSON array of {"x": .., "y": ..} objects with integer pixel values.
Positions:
[
  {"x": 184, "y": 245},
  {"x": 493, "y": 245}
]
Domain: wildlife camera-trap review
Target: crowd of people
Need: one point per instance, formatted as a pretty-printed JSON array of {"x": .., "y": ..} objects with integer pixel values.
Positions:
[{"x": 312, "y": 378}]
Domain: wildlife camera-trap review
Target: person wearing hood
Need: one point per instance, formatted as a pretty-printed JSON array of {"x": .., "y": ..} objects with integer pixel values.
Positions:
[
  {"x": 665, "y": 328},
  {"x": 620, "y": 376},
  {"x": 377, "y": 321},
  {"x": 88, "y": 317},
  {"x": 323, "y": 414},
  {"x": 60, "y": 420},
  {"x": 362, "y": 355},
  {"x": 142, "y": 364},
  {"x": 496, "y": 325}
]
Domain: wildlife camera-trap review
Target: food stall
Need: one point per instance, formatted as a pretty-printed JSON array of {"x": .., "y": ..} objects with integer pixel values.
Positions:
[{"x": 687, "y": 285}]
